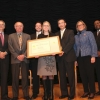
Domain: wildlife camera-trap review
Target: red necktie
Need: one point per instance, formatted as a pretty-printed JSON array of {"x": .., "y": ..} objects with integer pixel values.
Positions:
[{"x": 2, "y": 40}]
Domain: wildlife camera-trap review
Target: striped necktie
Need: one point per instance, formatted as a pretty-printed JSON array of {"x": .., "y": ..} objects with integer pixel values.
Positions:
[{"x": 20, "y": 41}]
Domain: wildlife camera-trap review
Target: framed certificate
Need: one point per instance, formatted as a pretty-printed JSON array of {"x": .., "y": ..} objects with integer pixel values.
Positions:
[{"x": 43, "y": 47}]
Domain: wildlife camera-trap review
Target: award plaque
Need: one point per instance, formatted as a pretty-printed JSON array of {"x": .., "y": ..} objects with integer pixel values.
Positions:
[{"x": 43, "y": 47}]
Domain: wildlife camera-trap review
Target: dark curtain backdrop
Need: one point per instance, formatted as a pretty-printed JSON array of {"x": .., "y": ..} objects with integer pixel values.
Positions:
[{"x": 31, "y": 11}]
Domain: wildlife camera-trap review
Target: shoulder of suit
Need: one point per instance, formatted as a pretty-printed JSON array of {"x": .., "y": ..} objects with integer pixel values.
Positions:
[
  {"x": 26, "y": 35},
  {"x": 34, "y": 34},
  {"x": 12, "y": 34},
  {"x": 69, "y": 30},
  {"x": 5, "y": 34},
  {"x": 57, "y": 32}
]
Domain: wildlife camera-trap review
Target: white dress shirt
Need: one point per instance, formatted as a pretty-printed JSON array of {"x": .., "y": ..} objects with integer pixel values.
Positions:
[
  {"x": 62, "y": 32},
  {"x": 98, "y": 32},
  {"x": 37, "y": 33}
]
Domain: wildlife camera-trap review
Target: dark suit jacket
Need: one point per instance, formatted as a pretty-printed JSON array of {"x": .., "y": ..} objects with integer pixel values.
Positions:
[
  {"x": 32, "y": 60},
  {"x": 33, "y": 36},
  {"x": 67, "y": 43},
  {"x": 97, "y": 38},
  {"x": 5, "y": 46},
  {"x": 13, "y": 45}
]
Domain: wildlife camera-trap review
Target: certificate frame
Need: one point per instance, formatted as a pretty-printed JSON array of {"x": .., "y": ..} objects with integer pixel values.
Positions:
[{"x": 43, "y": 46}]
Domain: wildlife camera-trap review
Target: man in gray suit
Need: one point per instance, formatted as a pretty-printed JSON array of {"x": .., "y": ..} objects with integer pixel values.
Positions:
[{"x": 17, "y": 46}]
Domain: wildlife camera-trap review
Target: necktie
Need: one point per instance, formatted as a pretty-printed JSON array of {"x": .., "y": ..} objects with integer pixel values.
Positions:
[
  {"x": 20, "y": 41},
  {"x": 2, "y": 40}
]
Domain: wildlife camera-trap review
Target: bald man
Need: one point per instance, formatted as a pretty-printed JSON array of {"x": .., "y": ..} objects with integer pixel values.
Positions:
[{"x": 17, "y": 46}]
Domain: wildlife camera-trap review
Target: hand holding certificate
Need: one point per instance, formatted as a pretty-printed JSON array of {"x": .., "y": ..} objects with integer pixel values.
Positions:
[{"x": 43, "y": 47}]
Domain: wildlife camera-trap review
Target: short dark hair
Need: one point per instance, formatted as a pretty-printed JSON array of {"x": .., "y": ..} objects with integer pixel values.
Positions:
[
  {"x": 61, "y": 19},
  {"x": 38, "y": 22}
]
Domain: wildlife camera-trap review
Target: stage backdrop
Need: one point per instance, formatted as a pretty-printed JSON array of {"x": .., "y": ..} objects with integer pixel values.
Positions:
[{"x": 31, "y": 11}]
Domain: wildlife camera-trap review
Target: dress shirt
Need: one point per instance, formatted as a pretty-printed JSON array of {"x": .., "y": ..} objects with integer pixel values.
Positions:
[
  {"x": 62, "y": 32},
  {"x": 2, "y": 34},
  {"x": 98, "y": 31},
  {"x": 38, "y": 33}
]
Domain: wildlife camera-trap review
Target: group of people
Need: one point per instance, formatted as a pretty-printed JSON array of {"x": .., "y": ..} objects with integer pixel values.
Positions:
[{"x": 82, "y": 49}]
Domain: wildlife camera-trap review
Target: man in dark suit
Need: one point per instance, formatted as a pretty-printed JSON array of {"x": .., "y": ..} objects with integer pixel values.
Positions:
[
  {"x": 97, "y": 63},
  {"x": 17, "y": 46},
  {"x": 34, "y": 62},
  {"x": 66, "y": 60},
  {"x": 4, "y": 61}
]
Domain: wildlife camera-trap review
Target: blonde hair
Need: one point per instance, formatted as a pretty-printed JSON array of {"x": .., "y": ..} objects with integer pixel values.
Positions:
[
  {"x": 48, "y": 24},
  {"x": 85, "y": 27}
]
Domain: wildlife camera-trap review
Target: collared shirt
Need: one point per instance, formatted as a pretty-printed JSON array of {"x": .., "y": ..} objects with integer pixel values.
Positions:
[
  {"x": 62, "y": 32},
  {"x": 19, "y": 33},
  {"x": 38, "y": 33},
  {"x": 2, "y": 34},
  {"x": 98, "y": 31}
]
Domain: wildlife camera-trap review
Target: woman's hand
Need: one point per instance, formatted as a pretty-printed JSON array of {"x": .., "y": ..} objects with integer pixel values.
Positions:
[
  {"x": 76, "y": 64},
  {"x": 61, "y": 53},
  {"x": 53, "y": 54},
  {"x": 92, "y": 59},
  {"x": 36, "y": 56}
]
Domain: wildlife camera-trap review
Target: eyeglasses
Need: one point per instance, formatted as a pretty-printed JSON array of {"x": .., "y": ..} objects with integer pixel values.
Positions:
[
  {"x": 46, "y": 25},
  {"x": 80, "y": 25}
]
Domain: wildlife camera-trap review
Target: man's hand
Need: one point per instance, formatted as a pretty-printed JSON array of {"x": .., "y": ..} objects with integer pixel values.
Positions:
[
  {"x": 98, "y": 53},
  {"x": 2, "y": 55},
  {"x": 21, "y": 57},
  {"x": 61, "y": 53}
]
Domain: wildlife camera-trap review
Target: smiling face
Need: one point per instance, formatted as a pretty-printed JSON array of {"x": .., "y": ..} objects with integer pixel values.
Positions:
[
  {"x": 2, "y": 26},
  {"x": 97, "y": 24},
  {"x": 46, "y": 27},
  {"x": 38, "y": 27},
  {"x": 80, "y": 26},
  {"x": 61, "y": 24},
  {"x": 19, "y": 27}
]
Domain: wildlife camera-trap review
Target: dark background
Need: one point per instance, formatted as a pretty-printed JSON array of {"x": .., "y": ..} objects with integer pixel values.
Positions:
[{"x": 31, "y": 11}]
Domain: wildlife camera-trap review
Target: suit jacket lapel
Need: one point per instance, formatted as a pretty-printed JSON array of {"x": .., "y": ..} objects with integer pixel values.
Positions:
[
  {"x": 16, "y": 38},
  {"x": 23, "y": 38},
  {"x": 59, "y": 35},
  {"x": 64, "y": 34},
  {"x": 4, "y": 38},
  {"x": 95, "y": 34}
]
